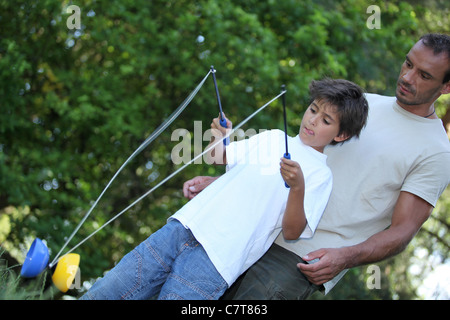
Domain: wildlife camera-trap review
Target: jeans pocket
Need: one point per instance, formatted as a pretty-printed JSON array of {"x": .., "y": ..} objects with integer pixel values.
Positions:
[{"x": 274, "y": 292}]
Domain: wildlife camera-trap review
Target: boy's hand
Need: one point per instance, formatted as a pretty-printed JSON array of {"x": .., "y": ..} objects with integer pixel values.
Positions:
[
  {"x": 215, "y": 125},
  {"x": 292, "y": 174}
]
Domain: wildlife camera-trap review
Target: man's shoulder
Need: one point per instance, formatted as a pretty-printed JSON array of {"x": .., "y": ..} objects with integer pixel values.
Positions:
[{"x": 374, "y": 98}]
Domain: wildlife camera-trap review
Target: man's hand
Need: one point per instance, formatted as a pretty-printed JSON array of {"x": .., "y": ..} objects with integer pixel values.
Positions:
[
  {"x": 331, "y": 263},
  {"x": 194, "y": 186}
]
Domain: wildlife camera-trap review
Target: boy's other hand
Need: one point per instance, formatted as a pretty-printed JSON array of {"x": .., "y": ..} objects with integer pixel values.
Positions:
[{"x": 215, "y": 125}]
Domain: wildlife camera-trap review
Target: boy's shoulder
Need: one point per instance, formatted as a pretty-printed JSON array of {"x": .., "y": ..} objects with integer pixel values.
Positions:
[{"x": 271, "y": 132}]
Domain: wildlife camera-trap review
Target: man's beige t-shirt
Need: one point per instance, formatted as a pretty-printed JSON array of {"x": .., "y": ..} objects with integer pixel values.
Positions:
[{"x": 397, "y": 151}]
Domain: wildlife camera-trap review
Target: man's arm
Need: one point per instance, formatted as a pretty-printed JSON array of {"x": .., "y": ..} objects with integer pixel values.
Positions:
[
  {"x": 196, "y": 185},
  {"x": 409, "y": 214}
]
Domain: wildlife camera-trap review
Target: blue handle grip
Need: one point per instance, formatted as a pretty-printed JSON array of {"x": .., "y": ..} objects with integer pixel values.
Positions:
[
  {"x": 223, "y": 123},
  {"x": 287, "y": 156}
]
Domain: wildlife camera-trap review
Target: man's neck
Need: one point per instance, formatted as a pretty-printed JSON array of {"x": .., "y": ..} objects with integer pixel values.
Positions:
[{"x": 425, "y": 110}]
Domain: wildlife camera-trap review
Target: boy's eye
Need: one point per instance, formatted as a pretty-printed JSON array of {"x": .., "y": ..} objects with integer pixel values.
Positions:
[{"x": 326, "y": 121}]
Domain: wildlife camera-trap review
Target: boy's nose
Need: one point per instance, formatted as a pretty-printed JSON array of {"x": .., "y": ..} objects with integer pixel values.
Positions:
[{"x": 312, "y": 120}]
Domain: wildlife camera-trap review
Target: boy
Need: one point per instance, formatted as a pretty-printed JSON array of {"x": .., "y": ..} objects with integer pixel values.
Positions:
[{"x": 219, "y": 234}]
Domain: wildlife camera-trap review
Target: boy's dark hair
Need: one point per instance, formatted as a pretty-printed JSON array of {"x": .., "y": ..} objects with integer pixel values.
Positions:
[
  {"x": 349, "y": 100},
  {"x": 439, "y": 43}
]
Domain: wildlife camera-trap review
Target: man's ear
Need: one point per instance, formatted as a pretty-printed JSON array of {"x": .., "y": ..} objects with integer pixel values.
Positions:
[
  {"x": 446, "y": 88},
  {"x": 342, "y": 137}
]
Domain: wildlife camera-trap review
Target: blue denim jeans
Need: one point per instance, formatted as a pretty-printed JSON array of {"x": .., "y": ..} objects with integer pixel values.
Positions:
[{"x": 171, "y": 264}]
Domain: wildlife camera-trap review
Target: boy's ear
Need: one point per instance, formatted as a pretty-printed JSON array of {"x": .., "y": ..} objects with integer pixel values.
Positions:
[{"x": 342, "y": 137}]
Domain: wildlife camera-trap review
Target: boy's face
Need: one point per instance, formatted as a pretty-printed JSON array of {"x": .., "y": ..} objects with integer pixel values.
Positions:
[{"x": 320, "y": 125}]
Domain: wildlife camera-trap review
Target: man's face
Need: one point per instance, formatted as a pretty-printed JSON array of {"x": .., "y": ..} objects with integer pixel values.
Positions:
[{"x": 421, "y": 76}]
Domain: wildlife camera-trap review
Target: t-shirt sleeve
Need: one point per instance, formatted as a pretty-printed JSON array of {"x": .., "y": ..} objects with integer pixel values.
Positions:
[
  {"x": 317, "y": 192},
  {"x": 429, "y": 178}
]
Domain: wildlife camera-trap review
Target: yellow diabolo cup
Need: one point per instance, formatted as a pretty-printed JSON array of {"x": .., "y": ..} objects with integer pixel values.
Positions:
[{"x": 65, "y": 271}]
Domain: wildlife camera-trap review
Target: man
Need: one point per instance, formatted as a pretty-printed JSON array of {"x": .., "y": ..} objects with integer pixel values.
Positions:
[{"x": 399, "y": 167}]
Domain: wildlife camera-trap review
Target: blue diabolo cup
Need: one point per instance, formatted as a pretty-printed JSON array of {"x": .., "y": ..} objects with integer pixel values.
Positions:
[{"x": 36, "y": 260}]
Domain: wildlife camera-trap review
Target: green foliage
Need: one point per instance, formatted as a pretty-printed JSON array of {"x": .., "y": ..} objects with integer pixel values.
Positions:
[
  {"x": 13, "y": 287},
  {"x": 76, "y": 103}
]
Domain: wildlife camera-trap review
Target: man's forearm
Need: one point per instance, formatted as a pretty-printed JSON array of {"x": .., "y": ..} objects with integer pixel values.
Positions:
[
  {"x": 332, "y": 261},
  {"x": 380, "y": 246},
  {"x": 409, "y": 215}
]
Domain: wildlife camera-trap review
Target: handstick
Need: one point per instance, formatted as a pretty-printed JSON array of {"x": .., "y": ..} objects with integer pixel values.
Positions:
[
  {"x": 222, "y": 120},
  {"x": 286, "y": 155}
]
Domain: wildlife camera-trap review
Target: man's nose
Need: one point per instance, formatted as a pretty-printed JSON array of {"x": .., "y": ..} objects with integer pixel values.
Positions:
[{"x": 408, "y": 76}]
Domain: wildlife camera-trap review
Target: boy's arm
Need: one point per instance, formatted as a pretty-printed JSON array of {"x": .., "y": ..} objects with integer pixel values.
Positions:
[
  {"x": 294, "y": 219},
  {"x": 217, "y": 155}
]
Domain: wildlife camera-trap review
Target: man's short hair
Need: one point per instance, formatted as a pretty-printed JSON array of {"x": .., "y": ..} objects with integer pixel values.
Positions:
[{"x": 439, "y": 43}]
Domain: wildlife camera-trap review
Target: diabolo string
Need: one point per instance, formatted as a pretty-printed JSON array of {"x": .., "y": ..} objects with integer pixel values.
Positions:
[
  {"x": 153, "y": 136},
  {"x": 147, "y": 141},
  {"x": 177, "y": 171}
]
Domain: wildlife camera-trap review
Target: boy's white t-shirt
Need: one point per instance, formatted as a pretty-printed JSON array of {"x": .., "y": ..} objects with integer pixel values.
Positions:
[{"x": 237, "y": 218}]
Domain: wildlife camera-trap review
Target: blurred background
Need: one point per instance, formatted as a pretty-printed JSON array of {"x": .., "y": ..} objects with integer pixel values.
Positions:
[{"x": 75, "y": 104}]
